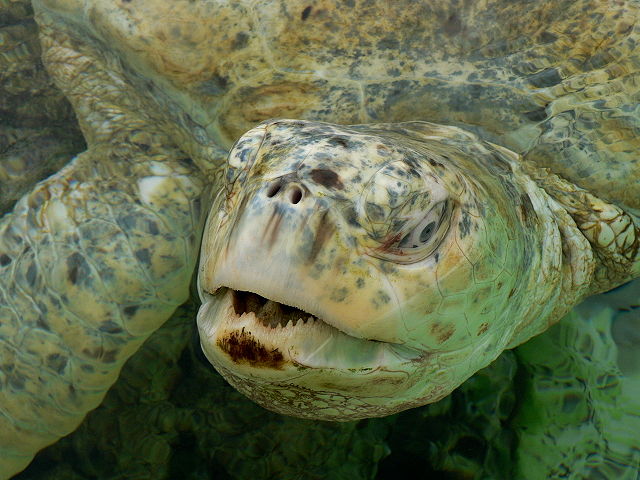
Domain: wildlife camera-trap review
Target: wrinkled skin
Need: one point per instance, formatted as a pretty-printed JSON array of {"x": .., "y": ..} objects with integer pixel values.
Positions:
[{"x": 97, "y": 257}]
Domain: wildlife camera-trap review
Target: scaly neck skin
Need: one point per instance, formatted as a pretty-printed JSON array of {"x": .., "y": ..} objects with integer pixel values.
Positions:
[
  {"x": 600, "y": 242},
  {"x": 613, "y": 234},
  {"x": 562, "y": 272}
]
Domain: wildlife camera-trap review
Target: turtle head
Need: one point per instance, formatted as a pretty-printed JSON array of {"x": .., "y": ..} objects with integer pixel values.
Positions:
[{"x": 351, "y": 272}]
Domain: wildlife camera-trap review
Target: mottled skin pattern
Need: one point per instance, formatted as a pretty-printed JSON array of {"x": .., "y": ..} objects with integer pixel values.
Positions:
[
  {"x": 489, "y": 277},
  {"x": 97, "y": 257}
]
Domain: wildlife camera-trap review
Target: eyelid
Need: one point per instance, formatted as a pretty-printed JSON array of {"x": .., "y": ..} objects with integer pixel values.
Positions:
[{"x": 442, "y": 214}]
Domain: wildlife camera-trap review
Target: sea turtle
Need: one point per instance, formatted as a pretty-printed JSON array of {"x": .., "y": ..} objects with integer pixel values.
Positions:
[{"x": 426, "y": 248}]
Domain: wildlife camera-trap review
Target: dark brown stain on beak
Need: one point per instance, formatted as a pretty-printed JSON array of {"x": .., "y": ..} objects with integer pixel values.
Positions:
[
  {"x": 327, "y": 178},
  {"x": 242, "y": 347}
]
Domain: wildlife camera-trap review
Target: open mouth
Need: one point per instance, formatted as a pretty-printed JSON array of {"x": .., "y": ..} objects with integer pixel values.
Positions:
[
  {"x": 249, "y": 328},
  {"x": 268, "y": 312}
]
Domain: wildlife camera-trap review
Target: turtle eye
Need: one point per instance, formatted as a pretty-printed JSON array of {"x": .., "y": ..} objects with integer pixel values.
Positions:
[
  {"x": 419, "y": 235},
  {"x": 422, "y": 239}
]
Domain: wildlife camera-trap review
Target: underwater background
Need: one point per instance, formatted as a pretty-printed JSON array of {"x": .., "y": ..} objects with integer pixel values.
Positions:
[
  {"x": 564, "y": 405},
  {"x": 559, "y": 406}
]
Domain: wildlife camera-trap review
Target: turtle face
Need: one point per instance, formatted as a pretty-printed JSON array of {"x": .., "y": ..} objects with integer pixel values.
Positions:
[{"x": 350, "y": 272}]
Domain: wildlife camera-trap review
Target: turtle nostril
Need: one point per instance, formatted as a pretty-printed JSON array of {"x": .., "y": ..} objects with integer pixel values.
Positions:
[
  {"x": 273, "y": 190},
  {"x": 296, "y": 195}
]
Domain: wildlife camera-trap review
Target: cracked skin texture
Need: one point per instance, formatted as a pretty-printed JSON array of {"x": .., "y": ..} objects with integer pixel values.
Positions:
[
  {"x": 154, "y": 83},
  {"x": 555, "y": 83}
]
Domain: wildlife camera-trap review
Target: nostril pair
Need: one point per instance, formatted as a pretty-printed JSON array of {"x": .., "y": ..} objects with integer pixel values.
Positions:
[{"x": 294, "y": 192}]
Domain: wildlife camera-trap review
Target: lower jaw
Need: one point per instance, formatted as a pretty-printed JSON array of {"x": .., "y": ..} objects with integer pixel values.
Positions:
[
  {"x": 320, "y": 397},
  {"x": 311, "y": 369}
]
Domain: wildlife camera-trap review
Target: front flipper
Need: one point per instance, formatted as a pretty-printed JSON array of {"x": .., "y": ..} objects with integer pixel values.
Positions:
[{"x": 92, "y": 261}]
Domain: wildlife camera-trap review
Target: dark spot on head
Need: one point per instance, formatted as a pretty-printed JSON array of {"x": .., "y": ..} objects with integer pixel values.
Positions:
[
  {"x": 4, "y": 260},
  {"x": 324, "y": 231},
  {"x": 513, "y": 290},
  {"x": 388, "y": 43},
  {"x": 327, "y": 178},
  {"x": 548, "y": 37},
  {"x": 570, "y": 401},
  {"x": 360, "y": 282},
  {"x": 351, "y": 216},
  {"x": 56, "y": 362},
  {"x": 242, "y": 347},
  {"x": 465, "y": 225},
  {"x": 186, "y": 162},
  {"x": 305, "y": 13},
  {"x": 339, "y": 294},
  {"x": 272, "y": 229},
  {"x": 383, "y": 296},
  {"x": 375, "y": 213}
]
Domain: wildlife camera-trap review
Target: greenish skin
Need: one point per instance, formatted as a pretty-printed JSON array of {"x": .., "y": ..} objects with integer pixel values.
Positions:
[{"x": 137, "y": 133}]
